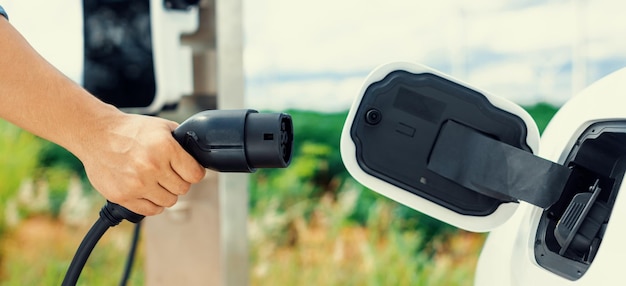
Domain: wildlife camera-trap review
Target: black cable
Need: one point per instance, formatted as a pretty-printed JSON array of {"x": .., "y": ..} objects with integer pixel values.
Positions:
[
  {"x": 84, "y": 250},
  {"x": 111, "y": 215},
  {"x": 131, "y": 255}
]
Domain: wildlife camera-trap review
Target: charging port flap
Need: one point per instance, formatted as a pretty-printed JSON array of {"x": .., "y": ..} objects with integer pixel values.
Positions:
[{"x": 401, "y": 135}]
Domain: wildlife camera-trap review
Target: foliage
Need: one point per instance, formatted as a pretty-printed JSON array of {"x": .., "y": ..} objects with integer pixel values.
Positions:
[
  {"x": 321, "y": 129},
  {"x": 56, "y": 166},
  {"x": 55, "y": 156},
  {"x": 299, "y": 212},
  {"x": 29, "y": 162},
  {"x": 327, "y": 248},
  {"x": 541, "y": 113},
  {"x": 309, "y": 224},
  {"x": 40, "y": 252},
  {"x": 18, "y": 160}
]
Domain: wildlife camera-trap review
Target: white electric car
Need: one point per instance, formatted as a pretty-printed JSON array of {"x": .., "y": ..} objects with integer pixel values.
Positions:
[{"x": 475, "y": 160}]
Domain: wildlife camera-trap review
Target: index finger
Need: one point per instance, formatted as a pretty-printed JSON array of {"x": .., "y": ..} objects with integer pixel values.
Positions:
[{"x": 186, "y": 166}]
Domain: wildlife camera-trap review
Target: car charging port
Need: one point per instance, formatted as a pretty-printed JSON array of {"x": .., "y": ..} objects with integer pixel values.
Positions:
[
  {"x": 578, "y": 228},
  {"x": 570, "y": 232}
]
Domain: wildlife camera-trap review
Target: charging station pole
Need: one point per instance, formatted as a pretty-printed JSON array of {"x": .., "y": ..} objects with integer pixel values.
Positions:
[{"x": 202, "y": 240}]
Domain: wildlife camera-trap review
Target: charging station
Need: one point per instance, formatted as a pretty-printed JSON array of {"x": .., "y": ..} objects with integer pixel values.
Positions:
[
  {"x": 473, "y": 160},
  {"x": 173, "y": 59},
  {"x": 133, "y": 56}
]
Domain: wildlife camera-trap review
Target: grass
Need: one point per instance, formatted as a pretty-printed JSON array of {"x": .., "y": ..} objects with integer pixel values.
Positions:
[
  {"x": 37, "y": 241},
  {"x": 18, "y": 160},
  {"x": 309, "y": 224},
  {"x": 328, "y": 249},
  {"x": 40, "y": 250}
]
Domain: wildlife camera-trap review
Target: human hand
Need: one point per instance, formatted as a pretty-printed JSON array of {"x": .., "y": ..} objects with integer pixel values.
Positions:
[
  {"x": 132, "y": 160},
  {"x": 136, "y": 162}
]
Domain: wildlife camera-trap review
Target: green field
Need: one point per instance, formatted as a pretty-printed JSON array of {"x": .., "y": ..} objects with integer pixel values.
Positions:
[{"x": 310, "y": 224}]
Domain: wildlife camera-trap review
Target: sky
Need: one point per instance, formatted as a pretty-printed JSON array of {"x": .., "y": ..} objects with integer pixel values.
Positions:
[{"x": 314, "y": 55}]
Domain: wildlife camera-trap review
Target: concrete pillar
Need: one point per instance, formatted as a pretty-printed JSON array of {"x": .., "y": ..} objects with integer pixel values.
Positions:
[{"x": 202, "y": 240}]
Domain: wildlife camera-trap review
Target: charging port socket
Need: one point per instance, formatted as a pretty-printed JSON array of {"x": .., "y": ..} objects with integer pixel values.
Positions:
[{"x": 571, "y": 231}]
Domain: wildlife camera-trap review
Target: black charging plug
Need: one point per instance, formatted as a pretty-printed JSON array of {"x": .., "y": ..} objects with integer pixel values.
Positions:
[
  {"x": 227, "y": 141},
  {"x": 221, "y": 140},
  {"x": 237, "y": 140}
]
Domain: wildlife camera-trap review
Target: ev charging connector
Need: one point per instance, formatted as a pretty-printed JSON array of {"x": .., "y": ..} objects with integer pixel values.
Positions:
[
  {"x": 237, "y": 140},
  {"x": 220, "y": 140}
]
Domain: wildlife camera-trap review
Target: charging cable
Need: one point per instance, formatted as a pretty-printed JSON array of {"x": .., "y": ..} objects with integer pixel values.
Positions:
[{"x": 111, "y": 215}]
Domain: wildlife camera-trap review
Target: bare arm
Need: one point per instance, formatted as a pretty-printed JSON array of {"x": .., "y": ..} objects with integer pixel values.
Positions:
[{"x": 131, "y": 160}]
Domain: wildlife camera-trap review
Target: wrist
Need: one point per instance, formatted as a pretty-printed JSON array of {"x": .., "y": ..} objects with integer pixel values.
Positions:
[{"x": 91, "y": 128}]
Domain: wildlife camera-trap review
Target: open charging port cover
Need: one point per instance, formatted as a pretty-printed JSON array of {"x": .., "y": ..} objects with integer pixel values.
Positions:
[{"x": 446, "y": 149}]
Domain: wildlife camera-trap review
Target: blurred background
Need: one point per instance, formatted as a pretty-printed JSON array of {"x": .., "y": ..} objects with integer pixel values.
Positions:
[{"x": 311, "y": 224}]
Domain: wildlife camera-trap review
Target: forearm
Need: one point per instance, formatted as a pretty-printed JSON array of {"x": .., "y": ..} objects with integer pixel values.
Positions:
[
  {"x": 37, "y": 97},
  {"x": 132, "y": 160}
]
